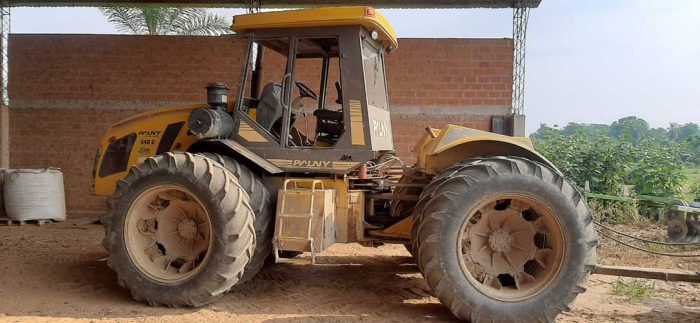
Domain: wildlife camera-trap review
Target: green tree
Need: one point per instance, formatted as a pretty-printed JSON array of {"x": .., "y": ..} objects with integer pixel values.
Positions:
[
  {"x": 542, "y": 132},
  {"x": 683, "y": 132},
  {"x": 659, "y": 135},
  {"x": 155, "y": 20},
  {"x": 694, "y": 149},
  {"x": 631, "y": 128}
]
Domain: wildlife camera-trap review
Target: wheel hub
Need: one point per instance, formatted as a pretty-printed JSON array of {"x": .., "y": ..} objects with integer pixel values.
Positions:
[
  {"x": 187, "y": 229},
  {"x": 177, "y": 231},
  {"x": 500, "y": 241}
]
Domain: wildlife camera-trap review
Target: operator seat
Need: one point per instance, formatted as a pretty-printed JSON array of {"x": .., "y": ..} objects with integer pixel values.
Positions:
[{"x": 270, "y": 106}]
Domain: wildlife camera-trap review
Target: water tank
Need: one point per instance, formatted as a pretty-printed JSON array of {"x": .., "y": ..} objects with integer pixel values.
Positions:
[{"x": 34, "y": 194}]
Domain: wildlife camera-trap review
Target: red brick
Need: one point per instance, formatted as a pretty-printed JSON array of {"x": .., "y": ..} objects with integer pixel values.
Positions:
[{"x": 84, "y": 70}]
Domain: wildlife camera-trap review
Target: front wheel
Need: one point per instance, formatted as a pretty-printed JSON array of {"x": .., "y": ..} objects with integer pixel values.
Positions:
[
  {"x": 179, "y": 231},
  {"x": 504, "y": 239}
]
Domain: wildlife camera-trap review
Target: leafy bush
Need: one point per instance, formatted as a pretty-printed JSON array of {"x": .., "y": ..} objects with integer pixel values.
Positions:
[
  {"x": 695, "y": 190},
  {"x": 608, "y": 163},
  {"x": 598, "y": 160},
  {"x": 614, "y": 212},
  {"x": 694, "y": 149},
  {"x": 657, "y": 170}
]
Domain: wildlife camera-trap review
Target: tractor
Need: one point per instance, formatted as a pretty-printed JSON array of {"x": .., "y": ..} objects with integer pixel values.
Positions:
[{"x": 202, "y": 197}]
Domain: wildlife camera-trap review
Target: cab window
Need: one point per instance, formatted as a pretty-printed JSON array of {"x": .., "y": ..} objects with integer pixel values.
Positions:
[
  {"x": 316, "y": 110},
  {"x": 375, "y": 76},
  {"x": 263, "y": 100}
]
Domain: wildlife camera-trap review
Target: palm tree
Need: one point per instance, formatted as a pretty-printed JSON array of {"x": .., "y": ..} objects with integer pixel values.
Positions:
[{"x": 153, "y": 20}]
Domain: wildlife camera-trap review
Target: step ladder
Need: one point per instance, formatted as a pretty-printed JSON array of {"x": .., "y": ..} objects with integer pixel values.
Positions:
[{"x": 301, "y": 216}]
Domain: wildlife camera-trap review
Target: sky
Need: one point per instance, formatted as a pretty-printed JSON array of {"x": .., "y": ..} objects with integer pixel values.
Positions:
[{"x": 588, "y": 61}]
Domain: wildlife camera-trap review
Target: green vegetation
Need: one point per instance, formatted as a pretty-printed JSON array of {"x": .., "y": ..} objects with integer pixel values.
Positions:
[
  {"x": 692, "y": 183},
  {"x": 633, "y": 291},
  {"x": 157, "y": 20},
  {"x": 614, "y": 212},
  {"x": 627, "y": 152}
]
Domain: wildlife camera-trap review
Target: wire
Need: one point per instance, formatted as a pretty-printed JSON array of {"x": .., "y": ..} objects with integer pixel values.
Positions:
[
  {"x": 647, "y": 250},
  {"x": 647, "y": 240}
]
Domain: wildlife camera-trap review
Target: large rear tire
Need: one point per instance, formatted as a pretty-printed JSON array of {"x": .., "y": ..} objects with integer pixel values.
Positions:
[
  {"x": 179, "y": 231},
  {"x": 504, "y": 239},
  {"x": 263, "y": 207}
]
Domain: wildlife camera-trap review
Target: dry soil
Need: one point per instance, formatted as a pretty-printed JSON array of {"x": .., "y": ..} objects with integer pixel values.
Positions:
[{"x": 58, "y": 273}]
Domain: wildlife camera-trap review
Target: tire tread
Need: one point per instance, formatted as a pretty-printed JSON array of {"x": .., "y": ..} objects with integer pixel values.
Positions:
[{"x": 436, "y": 200}]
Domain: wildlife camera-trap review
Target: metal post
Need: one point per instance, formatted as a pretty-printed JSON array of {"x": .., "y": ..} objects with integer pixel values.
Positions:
[
  {"x": 4, "y": 96},
  {"x": 520, "y": 18},
  {"x": 254, "y": 6}
]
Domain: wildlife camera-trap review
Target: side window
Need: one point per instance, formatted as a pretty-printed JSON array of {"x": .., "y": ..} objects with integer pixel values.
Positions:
[
  {"x": 316, "y": 119},
  {"x": 375, "y": 83},
  {"x": 262, "y": 92}
]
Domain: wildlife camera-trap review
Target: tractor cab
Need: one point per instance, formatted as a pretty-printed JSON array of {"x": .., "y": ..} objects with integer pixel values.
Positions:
[{"x": 313, "y": 92}]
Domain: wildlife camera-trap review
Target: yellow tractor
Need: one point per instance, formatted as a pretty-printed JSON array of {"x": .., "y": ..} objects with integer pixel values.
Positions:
[{"x": 202, "y": 197}]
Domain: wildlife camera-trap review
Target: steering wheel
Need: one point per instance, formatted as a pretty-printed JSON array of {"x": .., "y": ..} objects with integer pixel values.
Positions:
[{"x": 305, "y": 91}]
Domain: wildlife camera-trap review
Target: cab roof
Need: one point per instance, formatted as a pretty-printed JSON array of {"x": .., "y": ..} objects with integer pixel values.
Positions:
[{"x": 367, "y": 17}]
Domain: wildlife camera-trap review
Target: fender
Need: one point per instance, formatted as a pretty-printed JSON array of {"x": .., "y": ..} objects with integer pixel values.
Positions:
[
  {"x": 236, "y": 151},
  {"x": 440, "y": 149}
]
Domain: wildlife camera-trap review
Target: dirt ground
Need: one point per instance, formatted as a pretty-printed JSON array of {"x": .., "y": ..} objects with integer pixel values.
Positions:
[{"x": 58, "y": 272}]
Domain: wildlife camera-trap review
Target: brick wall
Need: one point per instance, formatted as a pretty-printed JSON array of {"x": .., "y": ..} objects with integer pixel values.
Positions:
[{"x": 67, "y": 89}]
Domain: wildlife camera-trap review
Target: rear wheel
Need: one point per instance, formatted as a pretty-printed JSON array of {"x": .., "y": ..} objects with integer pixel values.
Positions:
[
  {"x": 179, "y": 231},
  {"x": 263, "y": 207},
  {"x": 504, "y": 239}
]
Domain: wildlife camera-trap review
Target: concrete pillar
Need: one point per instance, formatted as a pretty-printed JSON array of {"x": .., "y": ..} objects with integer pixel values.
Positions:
[{"x": 517, "y": 125}]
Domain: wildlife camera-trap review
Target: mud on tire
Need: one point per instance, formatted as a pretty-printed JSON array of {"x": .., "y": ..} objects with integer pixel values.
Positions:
[
  {"x": 227, "y": 209},
  {"x": 453, "y": 201},
  {"x": 263, "y": 207}
]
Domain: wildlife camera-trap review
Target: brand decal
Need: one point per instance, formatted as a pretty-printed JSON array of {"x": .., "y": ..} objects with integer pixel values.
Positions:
[
  {"x": 380, "y": 128},
  {"x": 150, "y": 133},
  {"x": 312, "y": 163}
]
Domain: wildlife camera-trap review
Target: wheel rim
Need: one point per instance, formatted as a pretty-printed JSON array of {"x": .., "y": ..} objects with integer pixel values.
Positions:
[
  {"x": 511, "y": 247},
  {"x": 168, "y": 234}
]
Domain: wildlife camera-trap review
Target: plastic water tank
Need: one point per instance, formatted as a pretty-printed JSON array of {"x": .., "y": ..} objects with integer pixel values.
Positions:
[{"x": 34, "y": 194}]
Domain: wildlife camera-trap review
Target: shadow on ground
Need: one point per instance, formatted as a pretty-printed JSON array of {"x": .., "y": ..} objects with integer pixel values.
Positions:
[{"x": 60, "y": 271}]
